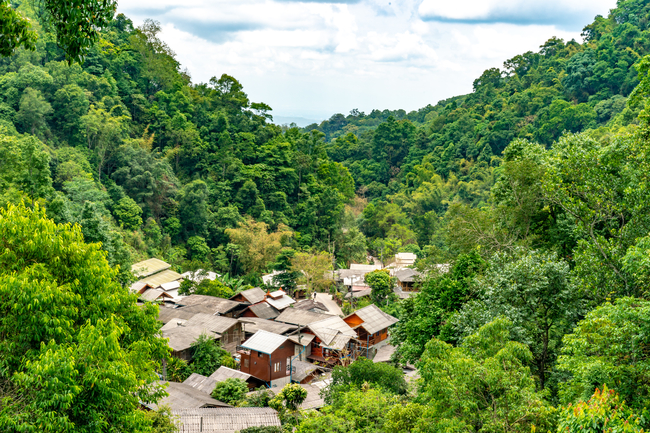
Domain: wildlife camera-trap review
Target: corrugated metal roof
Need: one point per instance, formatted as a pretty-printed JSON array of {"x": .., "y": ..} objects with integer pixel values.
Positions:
[
  {"x": 200, "y": 382},
  {"x": 302, "y": 339},
  {"x": 302, "y": 369},
  {"x": 339, "y": 342},
  {"x": 374, "y": 319},
  {"x": 173, "y": 323},
  {"x": 281, "y": 303},
  {"x": 264, "y": 310},
  {"x": 336, "y": 323},
  {"x": 310, "y": 304},
  {"x": 253, "y": 296},
  {"x": 170, "y": 286},
  {"x": 358, "y": 293},
  {"x": 225, "y": 420},
  {"x": 407, "y": 275},
  {"x": 148, "y": 267},
  {"x": 218, "y": 324},
  {"x": 265, "y": 342},
  {"x": 165, "y": 314},
  {"x": 182, "y": 396},
  {"x": 224, "y": 373},
  {"x": 277, "y": 294},
  {"x": 161, "y": 278},
  {"x": 182, "y": 337},
  {"x": 209, "y": 304},
  {"x": 151, "y": 295},
  {"x": 254, "y": 324},
  {"x": 300, "y": 317}
]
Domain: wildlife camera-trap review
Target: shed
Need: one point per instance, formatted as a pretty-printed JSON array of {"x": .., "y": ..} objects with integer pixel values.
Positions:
[
  {"x": 225, "y": 420},
  {"x": 148, "y": 267},
  {"x": 300, "y": 317},
  {"x": 250, "y": 296},
  {"x": 183, "y": 396}
]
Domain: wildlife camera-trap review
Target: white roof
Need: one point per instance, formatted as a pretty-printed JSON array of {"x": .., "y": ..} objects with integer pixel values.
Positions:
[
  {"x": 170, "y": 286},
  {"x": 200, "y": 275},
  {"x": 151, "y": 295},
  {"x": 333, "y": 332},
  {"x": 267, "y": 279},
  {"x": 264, "y": 341},
  {"x": 369, "y": 268},
  {"x": 406, "y": 256},
  {"x": 281, "y": 303}
]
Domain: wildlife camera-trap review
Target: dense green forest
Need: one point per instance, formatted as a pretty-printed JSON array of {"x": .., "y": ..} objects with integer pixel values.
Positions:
[{"x": 534, "y": 189}]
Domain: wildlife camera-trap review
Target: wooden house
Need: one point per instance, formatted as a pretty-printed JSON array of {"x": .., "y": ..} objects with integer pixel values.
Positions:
[
  {"x": 371, "y": 327},
  {"x": 267, "y": 356},
  {"x": 407, "y": 279},
  {"x": 333, "y": 341}
]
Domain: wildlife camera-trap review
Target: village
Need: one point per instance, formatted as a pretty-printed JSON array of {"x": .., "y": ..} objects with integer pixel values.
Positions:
[{"x": 275, "y": 339}]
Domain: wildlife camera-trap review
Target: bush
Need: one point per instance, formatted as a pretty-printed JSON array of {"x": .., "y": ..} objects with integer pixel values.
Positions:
[{"x": 230, "y": 391}]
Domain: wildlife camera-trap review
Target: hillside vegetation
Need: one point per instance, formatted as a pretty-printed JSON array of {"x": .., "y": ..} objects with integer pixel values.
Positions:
[{"x": 534, "y": 189}]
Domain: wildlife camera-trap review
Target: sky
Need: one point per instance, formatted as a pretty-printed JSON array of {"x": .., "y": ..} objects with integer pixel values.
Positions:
[{"x": 315, "y": 58}]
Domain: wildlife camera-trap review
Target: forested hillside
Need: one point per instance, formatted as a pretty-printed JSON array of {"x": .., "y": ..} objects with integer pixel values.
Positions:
[{"x": 526, "y": 201}]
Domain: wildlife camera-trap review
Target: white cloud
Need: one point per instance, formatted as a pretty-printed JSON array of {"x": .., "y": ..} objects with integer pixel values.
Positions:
[
  {"x": 313, "y": 59},
  {"x": 560, "y": 12}
]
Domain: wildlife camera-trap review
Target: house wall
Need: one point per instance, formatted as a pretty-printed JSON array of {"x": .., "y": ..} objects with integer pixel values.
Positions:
[
  {"x": 262, "y": 366},
  {"x": 232, "y": 338}
]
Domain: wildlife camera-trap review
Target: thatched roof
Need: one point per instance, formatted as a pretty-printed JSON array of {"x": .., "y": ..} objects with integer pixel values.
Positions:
[
  {"x": 183, "y": 396},
  {"x": 225, "y": 420}
]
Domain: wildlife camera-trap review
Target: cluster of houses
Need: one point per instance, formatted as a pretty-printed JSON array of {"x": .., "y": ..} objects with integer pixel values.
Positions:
[{"x": 274, "y": 338}]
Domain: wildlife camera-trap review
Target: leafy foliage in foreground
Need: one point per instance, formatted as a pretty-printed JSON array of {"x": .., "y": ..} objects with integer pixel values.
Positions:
[{"x": 77, "y": 354}]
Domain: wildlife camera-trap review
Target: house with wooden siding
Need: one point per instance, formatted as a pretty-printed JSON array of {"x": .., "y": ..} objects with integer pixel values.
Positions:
[
  {"x": 371, "y": 327},
  {"x": 333, "y": 341},
  {"x": 250, "y": 296},
  {"x": 267, "y": 356}
]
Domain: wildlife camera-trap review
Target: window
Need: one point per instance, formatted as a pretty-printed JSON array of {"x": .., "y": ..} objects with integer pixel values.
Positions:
[
  {"x": 260, "y": 355},
  {"x": 288, "y": 365},
  {"x": 277, "y": 366},
  {"x": 246, "y": 362}
]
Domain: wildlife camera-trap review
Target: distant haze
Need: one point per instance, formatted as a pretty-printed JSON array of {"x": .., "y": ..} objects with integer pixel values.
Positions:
[{"x": 311, "y": 59}]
